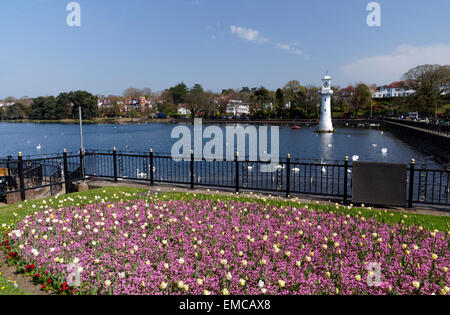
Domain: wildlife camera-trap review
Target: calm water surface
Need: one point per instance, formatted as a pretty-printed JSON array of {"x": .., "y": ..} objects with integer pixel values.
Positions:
[{"x": 38, "y": 139}]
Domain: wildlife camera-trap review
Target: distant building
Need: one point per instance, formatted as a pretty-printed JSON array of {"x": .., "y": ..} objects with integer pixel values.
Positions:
[
  {"x": 6, "y": 104},
  {"x": 183, "y": 110},
  {"x": 347, "y": 93},
  {"x": 140, "y": 104},
  {"x": 238, "y": 108},
  {"x": 395, "y": 89}
]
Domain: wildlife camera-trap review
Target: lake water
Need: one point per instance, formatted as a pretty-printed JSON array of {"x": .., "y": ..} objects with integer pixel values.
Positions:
[{"x": 303, "y": 144}]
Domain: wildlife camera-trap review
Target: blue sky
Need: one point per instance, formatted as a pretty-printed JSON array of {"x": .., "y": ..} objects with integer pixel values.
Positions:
[{"x": 217, "y": 43}]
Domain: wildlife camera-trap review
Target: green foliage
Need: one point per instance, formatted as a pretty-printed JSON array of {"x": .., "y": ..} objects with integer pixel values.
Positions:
[
  {"x": 65, "y": 106},
  {"x": 16, "y": 111}
]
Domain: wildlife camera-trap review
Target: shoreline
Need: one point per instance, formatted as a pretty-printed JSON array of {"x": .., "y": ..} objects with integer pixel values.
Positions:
[{"x": 362, "y": 122}]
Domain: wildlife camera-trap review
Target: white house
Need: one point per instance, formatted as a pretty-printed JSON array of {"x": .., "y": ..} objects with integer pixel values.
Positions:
[
  {"x": 395, "y": 89},
  {"x": 238, "y": 108},
  {"x": 183, "y": 110}
]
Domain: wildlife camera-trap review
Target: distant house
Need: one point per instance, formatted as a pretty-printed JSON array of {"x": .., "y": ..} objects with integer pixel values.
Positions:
[
  {"x": 238, "y": 108},
  {"x": 347, "y": 93},
  {"x": 6, "y": 104},
  {"x": 104, "y": 103},
  {"x": 183, "y": 110},
  {"x": 395, "y": 89}
]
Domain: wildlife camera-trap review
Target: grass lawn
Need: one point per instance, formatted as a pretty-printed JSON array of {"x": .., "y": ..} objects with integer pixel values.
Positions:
[{"x": 12, "y": 214}]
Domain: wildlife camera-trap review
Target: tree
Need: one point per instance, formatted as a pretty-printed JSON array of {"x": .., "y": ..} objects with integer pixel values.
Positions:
[
  {"x": 44, "y": 107},
  {"x": 63, "y": 106},
  {"x": 361, "y": 99},
  {"x": 199, "y": 101},
  {"x": 16, "y": 111},
  {"x": 87, "y": 102},
  {"x": 279, "y": 103},
  {"x": 179, "y": 93},
  {"x": 310, "y": 101},
  {"x": 430, "y": 82},
  {"x": 2, "y": 113},
  {"x": 132, "y": 93}
]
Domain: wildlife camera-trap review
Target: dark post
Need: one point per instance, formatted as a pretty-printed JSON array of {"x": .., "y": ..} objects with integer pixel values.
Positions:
[
  {"x": 411, "y": 183},
  {"x": 82, "y": 163},
  {"x": 115, "y": 164},
  {"x": 346, "y": 181},
  {"x": 66, "y": 172},
  {"x": 21, "y": 176},
  {"x": 192, "y": 169},
  {"x": 237, "y": 171},
  {"x": 288, "y": 176},
  {"x": 152, "y": 175}
]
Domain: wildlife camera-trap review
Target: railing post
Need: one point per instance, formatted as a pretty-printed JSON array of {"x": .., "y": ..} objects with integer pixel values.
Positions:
[
  {"x": 82, "y": 163},
  {"x": 152, "y": 178},
  {"x": 21, "y": 176},
  {"x": 237, "y": 171},
  {"x": 192, "y": 169},
  {"x": 288, "y": 176},
  {"x": 346, "y": 181},
  {"x": 66, "y": 172},
  {"x": 411, "y": 183},
  {"x": 115, "y": 164}
]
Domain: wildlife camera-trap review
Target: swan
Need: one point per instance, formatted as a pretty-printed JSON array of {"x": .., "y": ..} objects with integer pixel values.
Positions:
[
  {"x": 296, "y": 170},
  {"x": 375, "y": 145},
  {"x": 140, "y": 175},
  {"x": 38, "y": 147},
  {"x": 324, "y": 170},
  {"x": 384, "y": 151},
  {"x": 330, "y": 145},
  {"x": 250, "y": 168},
  {"x": 355, "y": 158}
]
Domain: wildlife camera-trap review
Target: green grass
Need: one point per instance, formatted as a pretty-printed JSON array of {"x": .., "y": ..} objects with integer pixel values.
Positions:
[{"x": 8, "y": 288}]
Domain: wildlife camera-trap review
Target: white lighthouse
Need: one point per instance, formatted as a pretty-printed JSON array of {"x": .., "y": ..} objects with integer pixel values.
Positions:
[{"x": 326, "y": 124}]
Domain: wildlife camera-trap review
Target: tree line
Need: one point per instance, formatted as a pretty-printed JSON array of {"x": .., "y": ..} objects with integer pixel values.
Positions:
[
  {"x": 63, "y": 106},
  {"x": 293, "y": 101}
]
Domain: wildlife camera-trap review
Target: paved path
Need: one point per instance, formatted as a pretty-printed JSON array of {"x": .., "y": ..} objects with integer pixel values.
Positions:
[{"x": 436, "y": 133}]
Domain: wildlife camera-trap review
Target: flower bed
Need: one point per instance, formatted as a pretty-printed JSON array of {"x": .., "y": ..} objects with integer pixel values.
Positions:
[{"x": 232, "y": 247}]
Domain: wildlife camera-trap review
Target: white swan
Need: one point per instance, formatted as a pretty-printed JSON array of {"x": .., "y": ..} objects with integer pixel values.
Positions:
[
  {"x": 38, "y": 147},
  {"x": 355, "y": 158},
  {"x": 384, "y": 151},
  {"x": 296, "y": 170},
  {"x": 140, "y": 175}
]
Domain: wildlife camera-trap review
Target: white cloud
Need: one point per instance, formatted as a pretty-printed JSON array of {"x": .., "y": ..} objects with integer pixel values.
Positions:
[
  {"x": 248, "y": 34},
  {"x": 390, "y": 67},
  {"x": 289, "y": 48}
]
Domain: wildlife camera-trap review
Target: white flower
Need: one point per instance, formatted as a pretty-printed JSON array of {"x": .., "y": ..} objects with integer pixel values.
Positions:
[
  {"x": 261, "y": 284},
  {"x": 122, "y": 275},
  {"x": 242, "y": 282},
  {"x": 181, "y": 261},
  {"x": 108, "y": 283},
  {"x": 163, "y": 285},
  {"x": 229, "y": 276},
  {"x": 35, "y": 252}
]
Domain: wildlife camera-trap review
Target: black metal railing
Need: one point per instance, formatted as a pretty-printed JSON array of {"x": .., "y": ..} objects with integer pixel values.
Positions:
[{"x": 328, "y": 179}]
